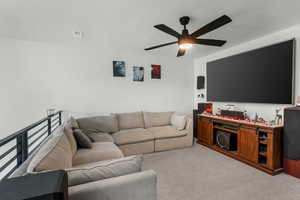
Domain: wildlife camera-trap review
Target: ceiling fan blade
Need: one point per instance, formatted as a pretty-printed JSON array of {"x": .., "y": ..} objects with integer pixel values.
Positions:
[
  {"x": 162, "y": 45},
  {"x": 180, "y": 52},
  {"x": 167, "y": 30},
  {"x": 212, "y": 26},
  {"x": 210, "y": 42}
]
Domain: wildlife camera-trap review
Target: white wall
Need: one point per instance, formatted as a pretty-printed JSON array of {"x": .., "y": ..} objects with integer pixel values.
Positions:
[
  {"x": 265, "y": 110},
  {"x": 77, "y": 77}
]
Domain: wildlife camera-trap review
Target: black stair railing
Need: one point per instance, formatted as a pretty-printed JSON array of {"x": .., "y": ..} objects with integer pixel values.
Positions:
[{"x": 16, "y": 148}]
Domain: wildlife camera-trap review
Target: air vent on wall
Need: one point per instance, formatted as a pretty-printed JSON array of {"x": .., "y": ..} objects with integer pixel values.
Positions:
[{"x": 77, "y": 34}]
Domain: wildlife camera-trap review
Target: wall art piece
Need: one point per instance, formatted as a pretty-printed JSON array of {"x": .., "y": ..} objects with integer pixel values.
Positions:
[
  {"x": 155, "y": 71},
  {"x": 138, "y": 73},
  {"x": 119, "y": 69}
]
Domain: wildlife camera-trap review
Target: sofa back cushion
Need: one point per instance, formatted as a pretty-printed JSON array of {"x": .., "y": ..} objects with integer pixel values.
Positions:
[
  {"x": 105, "y": 124},
  {"x": 153, "y": 119},
  {"x": 55, "y": 154},
  {"x": 130, "y": 120}
]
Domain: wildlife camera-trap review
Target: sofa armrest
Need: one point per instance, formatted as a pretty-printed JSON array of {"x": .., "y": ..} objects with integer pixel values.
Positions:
[
  {"x": 189, "y": 126},
  {"x": 190, "y": 132},
  {"x": 135, "y": 186}
]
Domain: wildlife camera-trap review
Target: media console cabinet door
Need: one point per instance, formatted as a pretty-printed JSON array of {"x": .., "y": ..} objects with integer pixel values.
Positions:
[
  {"x": 204, "y": 130},
  {"x": 248, "y": 144}
]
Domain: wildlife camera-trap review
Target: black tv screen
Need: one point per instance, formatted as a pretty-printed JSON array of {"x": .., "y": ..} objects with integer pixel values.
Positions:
[{"x": 264, "y": 75}]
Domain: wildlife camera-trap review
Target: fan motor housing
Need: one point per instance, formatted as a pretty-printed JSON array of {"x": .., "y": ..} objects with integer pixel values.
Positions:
[
  {"x": 186, "y": 39},
  {"x": 184, "y": 20}
]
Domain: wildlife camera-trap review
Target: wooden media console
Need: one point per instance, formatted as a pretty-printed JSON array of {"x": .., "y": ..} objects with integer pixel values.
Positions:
[{"x": 258, "y": 145}]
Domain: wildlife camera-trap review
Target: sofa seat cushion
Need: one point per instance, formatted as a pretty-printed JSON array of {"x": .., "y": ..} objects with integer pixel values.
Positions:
[
  {"x": 99, "y": 151},
  {"x": 96, "y": 171},
  {"x": 132, "y": 136},
  {"x": 100, "y": 137},
  {"x": 163, "y": 132}
]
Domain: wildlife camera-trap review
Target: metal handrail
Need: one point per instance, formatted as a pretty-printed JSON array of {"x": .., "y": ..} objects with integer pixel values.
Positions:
[{"x": 22, "y": 137}]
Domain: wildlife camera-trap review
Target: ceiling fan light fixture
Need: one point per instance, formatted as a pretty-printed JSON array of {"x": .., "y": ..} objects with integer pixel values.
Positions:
[
  {"x": 185, "y": 40},
  {"x": 185, "y": 46}
]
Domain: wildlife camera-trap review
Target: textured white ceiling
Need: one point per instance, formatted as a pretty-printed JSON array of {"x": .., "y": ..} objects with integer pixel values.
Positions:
[{"x": 129, "y": 23}]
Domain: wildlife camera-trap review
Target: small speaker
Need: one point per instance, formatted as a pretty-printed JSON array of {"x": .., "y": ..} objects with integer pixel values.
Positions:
[{"x": 200, "y": 82}]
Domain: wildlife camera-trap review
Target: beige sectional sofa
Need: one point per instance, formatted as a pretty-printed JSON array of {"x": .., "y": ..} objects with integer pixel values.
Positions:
[
  {"x": 111, "y": 168},
  {"x": 140, "y": 132},
  {"x": 101, "y": 172}
]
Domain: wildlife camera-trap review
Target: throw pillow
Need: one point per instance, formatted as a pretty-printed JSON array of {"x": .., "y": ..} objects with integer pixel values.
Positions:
[
  {"x": 88, "y": 135},
  {"x": 82, "y": 140},
  {"x": 104, "y": 169},
  {"x": 178, "y": 121}
]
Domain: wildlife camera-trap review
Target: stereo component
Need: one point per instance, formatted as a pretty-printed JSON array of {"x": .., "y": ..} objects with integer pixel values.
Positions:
[
  {"x": 226, "y": 140},
  {"x": 238, "y": 115}
]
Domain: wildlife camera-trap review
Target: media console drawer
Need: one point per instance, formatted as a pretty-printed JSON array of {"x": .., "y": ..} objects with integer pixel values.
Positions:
[
  {"x": 204, "y": 130},
  {"x": 248, "y": 144},
  {"x": 257, "y": 145}
]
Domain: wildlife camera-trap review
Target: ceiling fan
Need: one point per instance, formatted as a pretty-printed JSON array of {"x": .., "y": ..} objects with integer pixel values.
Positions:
[{"x": 186, "y": 40}]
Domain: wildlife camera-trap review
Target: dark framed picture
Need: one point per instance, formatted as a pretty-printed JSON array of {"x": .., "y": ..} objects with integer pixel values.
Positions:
[
  {"x": 138, "y": 73},
  {"x": 119, "y": 69},
  {"x": 155, "y": 71}
]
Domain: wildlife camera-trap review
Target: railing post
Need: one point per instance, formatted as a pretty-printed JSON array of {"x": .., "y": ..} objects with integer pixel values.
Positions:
[
  {"x": 59, "y": 115},
  {"x": 22, "y": 148},
  {"x": 49, "y": 125},
  {"x": 19, "y": 150}
]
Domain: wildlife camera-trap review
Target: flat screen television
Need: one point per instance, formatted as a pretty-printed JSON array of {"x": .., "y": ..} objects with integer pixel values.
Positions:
[{"x": 264, "y": 75}]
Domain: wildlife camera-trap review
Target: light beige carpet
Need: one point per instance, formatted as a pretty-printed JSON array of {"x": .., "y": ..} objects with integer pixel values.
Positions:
[{"x": 198, "y": 173}]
